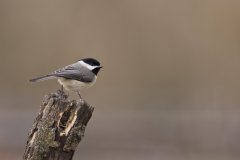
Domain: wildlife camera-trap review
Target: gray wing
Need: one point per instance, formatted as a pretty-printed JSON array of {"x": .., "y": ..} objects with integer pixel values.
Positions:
[{"x": 75, "y": 72}]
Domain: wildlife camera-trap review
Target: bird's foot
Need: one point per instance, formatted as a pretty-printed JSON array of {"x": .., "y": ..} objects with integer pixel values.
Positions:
[{"x": 79, "y": 95}]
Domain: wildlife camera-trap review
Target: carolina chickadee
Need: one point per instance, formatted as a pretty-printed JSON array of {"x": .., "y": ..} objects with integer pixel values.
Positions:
[{"x": 76, "y": 76}]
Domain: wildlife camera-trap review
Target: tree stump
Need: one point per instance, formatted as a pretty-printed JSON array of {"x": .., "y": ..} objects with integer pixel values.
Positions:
[{"x": 58, "y": 128}]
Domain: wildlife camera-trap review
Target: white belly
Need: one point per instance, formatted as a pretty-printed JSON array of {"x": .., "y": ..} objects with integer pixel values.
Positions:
[{"x": 74, "y": 85}]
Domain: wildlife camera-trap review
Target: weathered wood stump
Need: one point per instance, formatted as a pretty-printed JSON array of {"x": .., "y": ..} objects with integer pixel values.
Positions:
[{"x": 58, "y": 128}]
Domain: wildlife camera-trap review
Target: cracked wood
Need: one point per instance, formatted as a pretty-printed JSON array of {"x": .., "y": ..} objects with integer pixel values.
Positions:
[{"x": 58, "y": 128}]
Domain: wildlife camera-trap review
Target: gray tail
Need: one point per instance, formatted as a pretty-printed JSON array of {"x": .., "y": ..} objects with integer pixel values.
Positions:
[{"x": 43, "y": 78}]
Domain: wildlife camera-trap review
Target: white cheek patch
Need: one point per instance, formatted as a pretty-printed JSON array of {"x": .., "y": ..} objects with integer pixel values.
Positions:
[{"x": 87, "y": 65}]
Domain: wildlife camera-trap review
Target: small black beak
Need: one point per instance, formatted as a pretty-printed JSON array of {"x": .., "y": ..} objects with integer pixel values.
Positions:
[{"x": 100, "y": 67}]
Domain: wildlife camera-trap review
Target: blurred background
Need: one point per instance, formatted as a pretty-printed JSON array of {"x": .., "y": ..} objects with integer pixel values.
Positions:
[{"x": 169, "y": 88}]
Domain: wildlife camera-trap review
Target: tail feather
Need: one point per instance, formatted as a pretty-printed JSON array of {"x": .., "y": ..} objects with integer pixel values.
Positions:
[{"x": 43, "y": 78}]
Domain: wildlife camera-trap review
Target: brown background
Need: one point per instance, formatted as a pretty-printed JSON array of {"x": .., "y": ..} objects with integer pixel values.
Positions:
[{"x": 169, "y": 88}]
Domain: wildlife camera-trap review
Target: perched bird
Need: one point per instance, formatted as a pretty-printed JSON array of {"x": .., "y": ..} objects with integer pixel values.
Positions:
[{"x": 74, "y": 77}]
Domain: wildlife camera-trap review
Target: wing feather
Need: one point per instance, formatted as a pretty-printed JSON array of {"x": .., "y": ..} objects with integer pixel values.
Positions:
[{"x": 75, "y": 72}]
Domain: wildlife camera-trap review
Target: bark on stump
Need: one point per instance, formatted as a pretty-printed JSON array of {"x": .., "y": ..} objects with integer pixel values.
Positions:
[{"x": 58, "y": 128}]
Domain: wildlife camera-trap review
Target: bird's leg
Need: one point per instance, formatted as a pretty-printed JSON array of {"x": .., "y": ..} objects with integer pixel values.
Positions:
[
  {"x": 62, "y": 88},
  {"x": 61, "y": 91},
  {"x": 78, "y": 92}
]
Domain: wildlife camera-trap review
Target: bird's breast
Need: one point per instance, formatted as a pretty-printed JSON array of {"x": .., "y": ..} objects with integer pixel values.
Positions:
[{"x": 74, "y": 85}]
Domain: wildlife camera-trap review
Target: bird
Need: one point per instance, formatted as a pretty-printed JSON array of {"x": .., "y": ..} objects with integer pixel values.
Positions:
[{"x": 76, "y": 76}]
